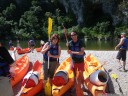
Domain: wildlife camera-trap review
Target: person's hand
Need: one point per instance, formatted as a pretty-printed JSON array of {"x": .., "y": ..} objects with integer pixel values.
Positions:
[
  {"x": 67, "y": 44},
  {"x": 69, "y": 51},
  {"x": 48, "y": 47},
  {"x": 12, "y": 71},
  {"x": 49, "y": 55},
  {"x": 115, "y": 48}
]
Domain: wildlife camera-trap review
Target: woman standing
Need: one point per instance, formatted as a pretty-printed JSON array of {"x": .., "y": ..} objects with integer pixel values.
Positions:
[{"x": 52, "y": 51}]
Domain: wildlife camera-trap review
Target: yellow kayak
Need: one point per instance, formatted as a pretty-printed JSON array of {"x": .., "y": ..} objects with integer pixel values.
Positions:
[
  {"x": 95, "y": 76},
  {"x": 63, "y": 79}
]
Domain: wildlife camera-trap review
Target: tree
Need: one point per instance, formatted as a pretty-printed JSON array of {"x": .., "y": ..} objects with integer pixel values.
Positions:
[{"x": 9, "y": 12}]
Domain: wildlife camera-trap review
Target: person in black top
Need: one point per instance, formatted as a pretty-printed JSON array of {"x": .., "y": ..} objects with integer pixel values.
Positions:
[
  {"x": 76, "y": 51},
  {"x": 7, "y": 65}
]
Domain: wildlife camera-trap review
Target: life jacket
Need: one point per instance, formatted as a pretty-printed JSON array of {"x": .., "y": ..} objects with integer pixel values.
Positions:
[
  {"x": 76, "y": 47},
  {"x": 53, "y": 51},
  {"x": 33, "y": 79},
  {"x": 125, "y": 44},
  {"x": 4, "y": 67}
]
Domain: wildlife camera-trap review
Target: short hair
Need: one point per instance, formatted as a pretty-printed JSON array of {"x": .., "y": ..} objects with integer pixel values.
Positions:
[{"x": 123, "y": 34}]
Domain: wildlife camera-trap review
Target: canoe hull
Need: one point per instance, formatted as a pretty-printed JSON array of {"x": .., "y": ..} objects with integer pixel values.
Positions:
[
  {"x": 38, "y": 49},
  {"x": 91, "y": 63},
  {"x": 21, "y": 69},
  {"x": 36, "y": 89},
  {"x": 59, "y": 91},
  {"x": 23, "y": 51}
]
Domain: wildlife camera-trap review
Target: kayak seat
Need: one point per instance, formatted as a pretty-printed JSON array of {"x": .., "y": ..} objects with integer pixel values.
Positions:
[{"x": 60, "y": 78}]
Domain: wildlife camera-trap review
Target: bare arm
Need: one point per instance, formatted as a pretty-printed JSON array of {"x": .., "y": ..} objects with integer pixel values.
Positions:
[
  {"x": 45, "y": 48},
  {"x": 120, "y": 43},
  {"x": 77, "y": 53},
  {"x": 55, "y": 56}
]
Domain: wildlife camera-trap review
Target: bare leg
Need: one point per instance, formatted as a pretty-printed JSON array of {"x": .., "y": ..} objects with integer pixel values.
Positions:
[
  {"x": 119, "y": 62},
  {"x": 81, "y": 77},
  {"x": 124, "y": 63},
  {"x": 120, "y": 65}
]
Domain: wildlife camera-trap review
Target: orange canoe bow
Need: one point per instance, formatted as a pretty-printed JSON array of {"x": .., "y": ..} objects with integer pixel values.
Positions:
[
  {"x": 32, "y": 91},
  {"x": 23, "y": 51},
  {"x": 22, "y": 66},
  {"x": 38, "y": 49},
  {"x": 91, "y": 63}
]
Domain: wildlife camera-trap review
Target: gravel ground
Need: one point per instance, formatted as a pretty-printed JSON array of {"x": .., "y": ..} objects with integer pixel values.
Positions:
[{"x": 119, "y": 86}]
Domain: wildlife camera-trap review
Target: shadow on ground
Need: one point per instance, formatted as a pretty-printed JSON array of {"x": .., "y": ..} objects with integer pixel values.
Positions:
[{"x": 110, "y": 88}]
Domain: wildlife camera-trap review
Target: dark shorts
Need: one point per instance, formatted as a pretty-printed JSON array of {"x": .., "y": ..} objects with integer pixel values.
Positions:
[
  {"x": 121, "y": 55},
  {"x": 52, "y": 67}
]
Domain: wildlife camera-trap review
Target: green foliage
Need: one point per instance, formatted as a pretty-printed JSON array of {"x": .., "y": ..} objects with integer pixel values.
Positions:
[
  {"x": 33, "y": 20},
  {"x": 9, "y": 11},
  {"x": 119, "y": 30}
]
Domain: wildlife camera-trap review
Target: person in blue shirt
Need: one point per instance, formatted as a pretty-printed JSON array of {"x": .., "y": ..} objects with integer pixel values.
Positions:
[
  {"x": 51, "y": 50},
  {"x": 122, "y": 46}
]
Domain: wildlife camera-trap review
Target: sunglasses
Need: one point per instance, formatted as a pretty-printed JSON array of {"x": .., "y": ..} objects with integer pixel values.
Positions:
[{"x": 55, "y": 38}]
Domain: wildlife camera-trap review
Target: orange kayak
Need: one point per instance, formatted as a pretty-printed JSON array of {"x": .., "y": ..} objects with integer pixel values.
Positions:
[
  {"x": 22, "y": 66},
  {"x": 38, "y": 49},
  {"x": 62, "y": 85},
  {"x": 23, "y": 51},
  {"x": 33, "y": 90},
  {"x": 93, "y": 74}
]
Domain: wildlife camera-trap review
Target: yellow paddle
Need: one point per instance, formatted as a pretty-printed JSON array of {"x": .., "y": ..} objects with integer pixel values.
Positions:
[{"x": 48, "y": 87}]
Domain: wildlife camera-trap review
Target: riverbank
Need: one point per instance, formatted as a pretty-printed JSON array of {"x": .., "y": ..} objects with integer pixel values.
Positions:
[{"x": 120, "y": 86}]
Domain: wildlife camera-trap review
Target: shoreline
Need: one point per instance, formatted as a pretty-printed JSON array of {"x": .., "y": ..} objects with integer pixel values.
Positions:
[{"x": 108, "y": 56}]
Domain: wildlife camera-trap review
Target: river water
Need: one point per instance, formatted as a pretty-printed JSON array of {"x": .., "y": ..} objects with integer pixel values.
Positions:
[{"x": 89, "y": 44}]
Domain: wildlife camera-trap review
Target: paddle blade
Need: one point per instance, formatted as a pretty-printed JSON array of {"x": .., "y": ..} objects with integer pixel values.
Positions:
[
  {"x": 48, "y": 88},
  {"x": 114, "y": 76},
  {"x": 49, "y": 26}
]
